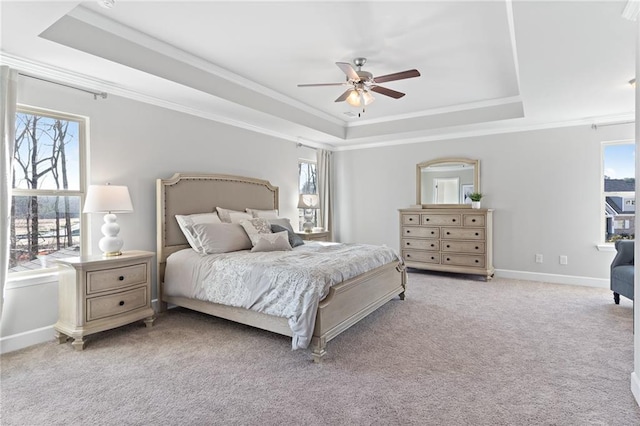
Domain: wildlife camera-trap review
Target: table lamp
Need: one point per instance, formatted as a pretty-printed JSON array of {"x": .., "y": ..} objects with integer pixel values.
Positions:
[
  {"x": 308, "y": 202},
  {"x": 109, "y": 199}
]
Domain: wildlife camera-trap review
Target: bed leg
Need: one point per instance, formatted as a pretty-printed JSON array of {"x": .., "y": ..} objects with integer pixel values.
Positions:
[{"x": 319, "y": 349}]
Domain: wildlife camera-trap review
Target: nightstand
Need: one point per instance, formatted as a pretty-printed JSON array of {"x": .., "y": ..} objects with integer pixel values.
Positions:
[
  {"x": 314, "y": 236},
  {"x": 98, "y": 293}
]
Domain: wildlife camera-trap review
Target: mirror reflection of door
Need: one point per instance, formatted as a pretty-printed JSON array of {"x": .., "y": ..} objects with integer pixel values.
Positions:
[{"x": 446, "y": 190}]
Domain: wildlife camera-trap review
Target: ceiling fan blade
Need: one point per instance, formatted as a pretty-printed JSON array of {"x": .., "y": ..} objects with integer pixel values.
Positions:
[
  {"x": 388, "y": 92},
  {"x": 344, "y": 96},
  {"x": 348, "y": 70},
  {"x": 321, "y": 84},
  {"x": 397, "y": 76}
]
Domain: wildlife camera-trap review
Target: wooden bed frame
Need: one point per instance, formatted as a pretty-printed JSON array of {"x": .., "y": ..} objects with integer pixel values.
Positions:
[{"x": 346, "y": 304}]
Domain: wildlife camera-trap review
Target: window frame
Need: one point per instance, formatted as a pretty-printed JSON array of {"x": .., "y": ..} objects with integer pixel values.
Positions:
[
  {"x": 301, "y": 211},
  {"x": 603, "y": 214},
  {"x": 83, "y": 142}
]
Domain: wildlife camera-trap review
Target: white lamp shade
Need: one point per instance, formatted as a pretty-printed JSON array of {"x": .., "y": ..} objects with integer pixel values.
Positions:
[
  {"x": 308, "y": 201},
  {"x": 108, "y": 199}
]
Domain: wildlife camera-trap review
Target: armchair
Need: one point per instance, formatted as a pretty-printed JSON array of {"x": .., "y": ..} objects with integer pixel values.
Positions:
[{"x": 622, "y": 270}]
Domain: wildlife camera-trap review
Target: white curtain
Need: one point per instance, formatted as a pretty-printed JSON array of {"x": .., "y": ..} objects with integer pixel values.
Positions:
[
  {"x": 8, "y": 97},
  {"x": 325, "y": 190}
]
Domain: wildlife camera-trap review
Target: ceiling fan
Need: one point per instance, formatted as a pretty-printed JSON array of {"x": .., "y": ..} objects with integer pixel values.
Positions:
[{"x": 361, "y": 83}]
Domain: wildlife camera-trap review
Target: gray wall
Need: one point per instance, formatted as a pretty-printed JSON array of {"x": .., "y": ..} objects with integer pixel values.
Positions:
[{"x": 544, "y": 186}]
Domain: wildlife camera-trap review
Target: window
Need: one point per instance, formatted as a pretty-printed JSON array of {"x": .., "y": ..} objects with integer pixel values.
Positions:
[
  {"x": 307, "y": 184},
  {"x": 619, "y": 194},
  {"x": 48, "y": 188}
]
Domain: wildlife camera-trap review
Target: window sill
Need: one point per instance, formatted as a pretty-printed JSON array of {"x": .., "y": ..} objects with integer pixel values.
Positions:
[
  {"x": 31, "y": 278},
  {"x": 606, "y": 247}
]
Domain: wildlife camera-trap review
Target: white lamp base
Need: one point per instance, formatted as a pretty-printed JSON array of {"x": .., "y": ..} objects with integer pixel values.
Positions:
[
  {"x": 110, "y": 244},
  {"x": 308, "y": 225}
]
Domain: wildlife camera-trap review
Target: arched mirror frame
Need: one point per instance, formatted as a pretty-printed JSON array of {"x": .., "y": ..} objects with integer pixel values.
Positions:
[{"x": 425, "y": 164}]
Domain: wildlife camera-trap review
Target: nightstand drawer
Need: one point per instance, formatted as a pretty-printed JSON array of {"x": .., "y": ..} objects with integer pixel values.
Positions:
[
  {"x": 113, "y": 279},
  {"x": 116, "y": 304}
]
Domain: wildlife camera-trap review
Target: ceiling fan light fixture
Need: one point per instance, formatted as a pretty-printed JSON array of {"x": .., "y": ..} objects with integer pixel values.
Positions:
[
  {"x": 107, "y": 4},
  {"x": 357, "y": 97}
]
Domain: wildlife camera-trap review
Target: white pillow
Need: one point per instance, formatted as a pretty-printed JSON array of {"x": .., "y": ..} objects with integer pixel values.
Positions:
[
  {"x": 255, "y": 227},
  {"x": 186, "y": 223},
  {"x": 221, "y": 237},
  {"x": 278, "y": 241},
  {"x": 232, "y": 216},
  {"x": 267, "y": 214}
]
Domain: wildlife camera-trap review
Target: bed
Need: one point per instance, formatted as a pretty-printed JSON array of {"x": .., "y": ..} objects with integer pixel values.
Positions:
[{"x": 345, "y": 304}]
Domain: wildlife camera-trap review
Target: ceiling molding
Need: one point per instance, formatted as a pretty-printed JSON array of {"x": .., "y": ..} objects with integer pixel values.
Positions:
[{"x": 631, "y": 10}]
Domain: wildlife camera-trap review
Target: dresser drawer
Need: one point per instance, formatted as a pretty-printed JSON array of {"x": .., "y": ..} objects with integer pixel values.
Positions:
[
  {"x": 463, "y": 234},
  {"x": 474, "y": 220},
  {"x": 463, "y": 246},
  {"x": 409, "y": 243},
  {"x": 411, "y": 219},
  {"x": 112, "y": 279},
  {"x": 441, "y": 219},
  {"x": 463, "y": 260},
  {"x": 422, "y": 232},
  {"x": 116, "y": 304},
  {"x": 421, "y": 256}
]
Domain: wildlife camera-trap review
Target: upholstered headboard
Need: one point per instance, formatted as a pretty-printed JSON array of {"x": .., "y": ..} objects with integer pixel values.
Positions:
[{"x": 188, "y": 193}]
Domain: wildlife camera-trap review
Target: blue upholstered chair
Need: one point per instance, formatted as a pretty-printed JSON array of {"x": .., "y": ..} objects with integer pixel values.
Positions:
[{"x": 622, "y": 271}]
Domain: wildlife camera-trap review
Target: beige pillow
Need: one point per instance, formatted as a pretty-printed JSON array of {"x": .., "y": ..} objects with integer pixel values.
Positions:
[
  {"x": 255, "y": 227},
  {"x": 278, "y": 241},
  {"x": 186, "y": 223},
  {"x": 216, "y": 238},
  {"x": 267, "y": 214},
  {"x": 232, "y": 216}
]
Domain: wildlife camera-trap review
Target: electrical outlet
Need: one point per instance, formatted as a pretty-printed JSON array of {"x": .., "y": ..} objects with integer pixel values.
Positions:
[
  {"x": 563, "y": 260},
  {"x": 538, "y": 258}
]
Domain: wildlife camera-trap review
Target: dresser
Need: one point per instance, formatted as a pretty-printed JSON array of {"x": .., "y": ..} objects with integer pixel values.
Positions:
[
  {"x": 99, "y": 293},
  {"x": 448, "y": 239}
]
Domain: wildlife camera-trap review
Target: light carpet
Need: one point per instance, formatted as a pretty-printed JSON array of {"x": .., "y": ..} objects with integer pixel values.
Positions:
[{"x": 457, "y": 351}]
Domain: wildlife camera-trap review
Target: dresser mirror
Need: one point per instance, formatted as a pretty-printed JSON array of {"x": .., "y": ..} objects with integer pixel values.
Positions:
[{"x": 447, "y": 182}]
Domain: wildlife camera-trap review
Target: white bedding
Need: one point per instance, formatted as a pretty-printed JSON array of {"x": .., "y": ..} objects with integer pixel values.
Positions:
[{"x": 287, "y": 284}]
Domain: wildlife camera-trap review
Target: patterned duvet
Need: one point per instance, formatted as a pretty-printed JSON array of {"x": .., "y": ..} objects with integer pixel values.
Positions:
[{"x": 287, "y": 284}]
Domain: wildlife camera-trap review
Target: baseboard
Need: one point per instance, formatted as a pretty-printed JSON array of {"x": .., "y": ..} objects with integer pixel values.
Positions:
[
  {"x": 28, "y": 338},
  {"x": 635, "y": 387},
  {"x": 553, "y": 278}
]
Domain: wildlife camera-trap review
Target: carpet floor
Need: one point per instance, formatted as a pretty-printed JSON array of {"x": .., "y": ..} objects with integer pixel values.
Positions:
[{"x": 457, "y": 351}]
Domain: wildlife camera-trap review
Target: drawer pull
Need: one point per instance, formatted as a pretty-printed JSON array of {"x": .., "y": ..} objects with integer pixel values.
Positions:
[
  {"x": 453, "y": 220},
  {"x": 433, "y": 232},
  {"x": 408, "y": 255},
  {"x": 477, "y": 261},
  {"x": 121, "y": 303},
  {"x": 433, "y": 245},
  {"x": 427, "y": 219},
  {"x": 449, "y": 233},
  {"x": 448, "y": 246},
  {"x": 408, "y": 232},
  {"x": 473, "y": 220},
  {"x": 121, "y": 278},
  {"x": 477, "y": 248},
  {"x": 433, "y": 258},
  {"x": 477, "y": 234},
  {"x": 410, "y": 219},
  {"x": 408, "y": 243},
  {"x": 448, "y": 259}
]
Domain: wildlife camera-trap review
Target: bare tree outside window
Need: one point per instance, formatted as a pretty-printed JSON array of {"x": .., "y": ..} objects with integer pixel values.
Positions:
[{"x": 46, "y": 194}]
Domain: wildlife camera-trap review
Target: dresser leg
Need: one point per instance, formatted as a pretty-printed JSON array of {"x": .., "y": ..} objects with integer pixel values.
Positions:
[
  {"x": 61, "y": 337},
  {"x": 149, "y": 321},
  {"x": 78, "y": 343}
]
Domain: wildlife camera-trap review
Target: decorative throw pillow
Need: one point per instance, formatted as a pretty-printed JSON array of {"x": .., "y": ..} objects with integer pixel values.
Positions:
[
  {"x": 186, "y": 223},
  {"x": 282, "y": 221},
  {"x": 271, "y": 242},
  {"x": 267, "y": 214},
  {"x": 255, "y": 227},
  {"x": 216, "y": 238},
  {"x": 294, "y": 239},
  {"x": 232, "y": 216}
]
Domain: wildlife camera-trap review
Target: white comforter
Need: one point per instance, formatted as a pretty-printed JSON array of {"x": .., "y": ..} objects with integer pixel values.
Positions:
[{"x": 287, "y": 284}]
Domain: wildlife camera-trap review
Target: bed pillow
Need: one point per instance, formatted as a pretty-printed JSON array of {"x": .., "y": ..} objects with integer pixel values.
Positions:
[
  {"x": 267, "y": 214},
  {"x": 282, "y": 221},
  {"x": 214, "y": 238},
  {"x": 278, "y": 241},
  {"x": 255, "y": 227},
  {"x": 232, "y": 216},
  {"x": 294, "y": 239},
  {"x": 186, "y": 223}
]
